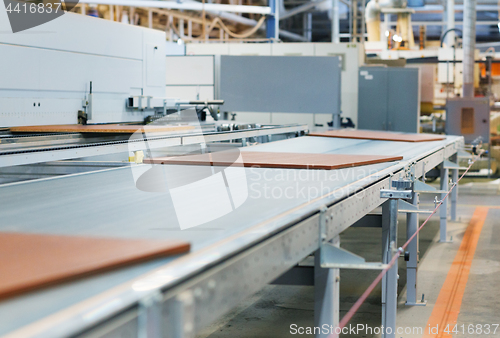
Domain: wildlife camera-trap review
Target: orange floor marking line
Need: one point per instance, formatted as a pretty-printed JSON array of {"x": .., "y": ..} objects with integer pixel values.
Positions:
[{"x": 448, "y": 304}]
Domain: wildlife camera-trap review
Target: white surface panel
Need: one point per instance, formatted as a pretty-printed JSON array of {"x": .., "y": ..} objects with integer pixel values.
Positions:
[{"x": 190, "y": 70}]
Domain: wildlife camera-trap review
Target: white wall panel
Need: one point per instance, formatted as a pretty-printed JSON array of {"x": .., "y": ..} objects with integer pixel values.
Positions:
[
  {"x": 190, "y": 93},
  {"x": 81, "y": 34},
  {"x": 207, "y": 49},
  {"x": 250, "y": 48},
  {"x": 293, "y": 49}
]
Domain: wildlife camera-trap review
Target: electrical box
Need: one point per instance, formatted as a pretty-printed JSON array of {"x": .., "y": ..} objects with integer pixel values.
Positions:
[
  {"x": 389, "y": 99},
  {"x": 469, "y": 117}
]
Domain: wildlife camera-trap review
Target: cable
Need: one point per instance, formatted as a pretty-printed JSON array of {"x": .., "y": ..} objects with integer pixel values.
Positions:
[
  {"x": 218, "y": 21},
  {"x": 239, "y": 36},
  {"x": 446, "y": 33},
  {"x": 377, "y": 280}
]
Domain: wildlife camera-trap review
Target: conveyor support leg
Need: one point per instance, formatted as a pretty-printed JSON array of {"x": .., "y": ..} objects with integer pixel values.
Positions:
[
  {"x": 443, "y": 212},
  {"x": 412, "y": 224},
  {"x": 390, "y": 280},
  {"x": 454, "y": 193},
  {"x": 326, "y": 294}
]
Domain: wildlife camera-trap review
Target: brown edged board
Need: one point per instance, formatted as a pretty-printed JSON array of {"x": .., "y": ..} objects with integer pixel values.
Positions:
[
  {"x": 378, "y": 135},
  {"x": 99, "y": 128},
  {"x": 276, "y": 160},
  {"x": 32, "y": 261}
]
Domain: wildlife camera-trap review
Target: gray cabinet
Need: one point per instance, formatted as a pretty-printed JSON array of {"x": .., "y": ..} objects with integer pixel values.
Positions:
[{"x": 389, "y": 99}]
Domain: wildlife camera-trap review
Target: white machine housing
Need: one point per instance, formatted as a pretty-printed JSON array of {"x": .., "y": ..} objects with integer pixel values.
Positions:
[{"x": 47, "y": 70}]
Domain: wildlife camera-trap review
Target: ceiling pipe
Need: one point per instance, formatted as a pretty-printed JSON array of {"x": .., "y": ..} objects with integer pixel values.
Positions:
[
  {"x": 469, "y": 46},
  {"x": 187, "y": 5},
  {"x": 250, "y": 22}
]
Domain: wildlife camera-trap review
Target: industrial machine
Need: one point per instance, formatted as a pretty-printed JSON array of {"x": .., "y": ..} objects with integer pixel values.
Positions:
[{"x": 48, "y": 80}]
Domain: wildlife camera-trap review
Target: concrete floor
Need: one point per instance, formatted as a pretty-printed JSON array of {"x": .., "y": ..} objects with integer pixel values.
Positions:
[{"x": 271, "y": 312}]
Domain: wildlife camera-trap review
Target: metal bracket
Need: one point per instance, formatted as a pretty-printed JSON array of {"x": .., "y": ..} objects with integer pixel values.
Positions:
[
  {"x": 408, "y": 208},
  {"x": 463, "y": 153},
  {"x": 395, "y": 194},
  {"x": 450, "y": 165},
  {"x": 424, "y": 188},
  {"x": 423, "y": 302},
  {"x": 333, "y": 257}
]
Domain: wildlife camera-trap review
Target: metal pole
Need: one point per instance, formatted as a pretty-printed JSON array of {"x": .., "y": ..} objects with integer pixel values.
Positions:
[
  {"x": 354, "y": 20},
  {"x": 363, "y": 21},
  {"x": 335, "y": 22},
  {"x": 273, "y": 21},
  {"x": 443, "y": 212},
  {"x": 390, "y": 280},
  {"x": 454, "y": 193},
  {"x": 447, "y": 78},
  {"x": 469, "y": 45},
  {"x": 386, "y": 29},
  {"x": 450, "y": 23},
  {"x": 350, "y": 21},
  {"x": 307, "y": 26},
  {"x": 326, "y": 293}
]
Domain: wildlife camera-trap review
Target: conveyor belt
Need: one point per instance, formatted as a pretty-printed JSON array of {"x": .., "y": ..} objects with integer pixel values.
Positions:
[
  {"x": 101, "y": 128},
  {"x": 107, "y": 204},
  {"x": 37, "y": 149}
]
